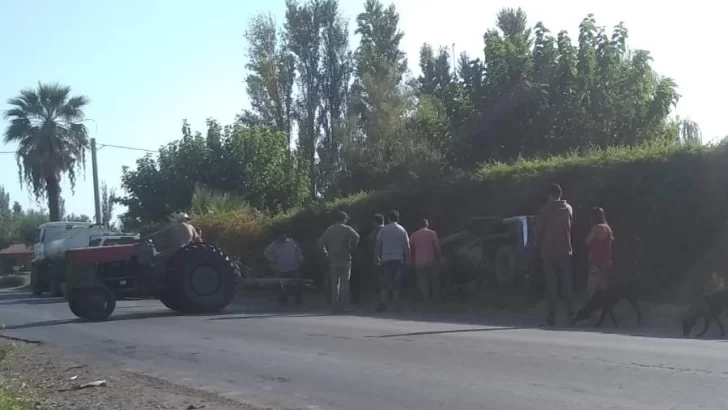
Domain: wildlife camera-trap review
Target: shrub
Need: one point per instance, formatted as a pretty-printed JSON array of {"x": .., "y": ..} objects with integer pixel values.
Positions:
[{"x": 666, "y": 203}]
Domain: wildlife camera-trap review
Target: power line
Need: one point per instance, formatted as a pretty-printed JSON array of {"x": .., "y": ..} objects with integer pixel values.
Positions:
[
  {"x": 102, "y": 146},
  {"x": 125, "y": 147}
]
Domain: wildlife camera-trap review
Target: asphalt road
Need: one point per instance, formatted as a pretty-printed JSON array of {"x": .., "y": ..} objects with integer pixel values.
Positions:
[{"x": 316, "y": 361}]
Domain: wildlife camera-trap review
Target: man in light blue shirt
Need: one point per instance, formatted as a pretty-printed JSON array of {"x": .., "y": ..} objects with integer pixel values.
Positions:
[{"x": 393, "y": 252}]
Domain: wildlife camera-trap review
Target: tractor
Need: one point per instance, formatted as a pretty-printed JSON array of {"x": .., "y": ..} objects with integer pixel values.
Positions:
[
  {"x": 498, "y": 252},
  {"x": 197, "y": 278}
]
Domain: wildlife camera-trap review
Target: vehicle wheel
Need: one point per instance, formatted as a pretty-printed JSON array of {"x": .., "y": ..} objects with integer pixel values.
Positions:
[
  {"x": 200, "y": 278},
  {"x": 505, "y": 265},
  {"x": 35, "y": 283},
  {"x": 55, "y": 271},
  {"x": 95, "y": 303}
]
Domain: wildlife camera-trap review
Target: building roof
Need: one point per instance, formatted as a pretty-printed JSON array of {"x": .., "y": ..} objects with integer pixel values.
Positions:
[{"x": 16, "y": 249}]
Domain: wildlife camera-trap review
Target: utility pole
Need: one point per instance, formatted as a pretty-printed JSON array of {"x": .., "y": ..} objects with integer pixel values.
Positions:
[{"x": 95, "y": 170}]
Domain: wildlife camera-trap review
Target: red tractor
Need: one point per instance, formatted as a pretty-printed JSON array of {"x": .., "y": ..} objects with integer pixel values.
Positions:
[{"x": 197, "y": 278}]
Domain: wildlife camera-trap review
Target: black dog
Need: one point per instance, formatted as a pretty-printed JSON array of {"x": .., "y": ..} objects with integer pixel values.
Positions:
[
  {"x": 606, "y": 300},
  {"x": 709, "y": 307}
]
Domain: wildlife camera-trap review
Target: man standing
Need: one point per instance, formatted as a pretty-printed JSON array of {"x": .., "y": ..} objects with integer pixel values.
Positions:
[
  {"x": 426, "y": 257},
  {"x": 286, "y": 258},
  {"x": 338, "y": 242},
  {"x": 371, "y": 249},
  {"x": 553, "y": 233},
  {"x": 393, "y": 251}
]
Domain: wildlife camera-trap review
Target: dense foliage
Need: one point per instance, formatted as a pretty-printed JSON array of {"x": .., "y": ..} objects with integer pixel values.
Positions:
[
  {"x": 17, "y": 225},
  {"x": 251, "y": 162}
]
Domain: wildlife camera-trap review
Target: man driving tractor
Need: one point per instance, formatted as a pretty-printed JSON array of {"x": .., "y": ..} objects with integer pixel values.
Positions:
[{"x": 183, "y": 233}]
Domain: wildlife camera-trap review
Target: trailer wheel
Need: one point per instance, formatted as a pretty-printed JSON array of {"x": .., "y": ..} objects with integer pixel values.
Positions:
[
  {"x": 95, "y": 303},
  {"x": 505, "y": 265},
  {"x": 200, "y": 278}
]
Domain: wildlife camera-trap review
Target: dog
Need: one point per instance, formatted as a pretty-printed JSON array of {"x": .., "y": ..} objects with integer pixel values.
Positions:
[
  {"x": 709, "y": 307},
  {"x": 606, "y": 299}
]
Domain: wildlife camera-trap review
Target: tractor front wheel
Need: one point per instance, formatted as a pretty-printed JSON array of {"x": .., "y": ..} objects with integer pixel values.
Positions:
[{"x": 95, "y": 303}]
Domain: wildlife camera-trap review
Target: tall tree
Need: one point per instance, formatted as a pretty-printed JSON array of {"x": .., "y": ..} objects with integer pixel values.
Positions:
[
  {"x": 46, "y": 123},
  {"x": 272, "y": 74},
  {"x": 336, "y": 68},
  {"x": 380, "y": 65},
  {"x": 107, "y": 203},
  {"x": 304, "y": 39}
]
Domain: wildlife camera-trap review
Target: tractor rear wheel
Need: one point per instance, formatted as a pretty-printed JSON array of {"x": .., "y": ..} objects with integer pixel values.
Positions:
[
  {"x": 200, "y": 278},
  {"x": 94, "y": 303}
]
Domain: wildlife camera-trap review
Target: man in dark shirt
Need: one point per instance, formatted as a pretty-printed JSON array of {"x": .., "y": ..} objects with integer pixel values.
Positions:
[
  {"x": 553, "y": 233},
  {"x": 337, "y": 243}
]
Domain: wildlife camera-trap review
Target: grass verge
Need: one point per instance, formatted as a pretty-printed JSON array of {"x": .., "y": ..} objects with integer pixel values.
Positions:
[
  {"x": 13, "y": 281},
  {"x": 13, "y": 399}
]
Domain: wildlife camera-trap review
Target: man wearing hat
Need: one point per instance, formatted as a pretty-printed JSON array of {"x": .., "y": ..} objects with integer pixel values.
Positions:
[{"x": 338, "y": 242}]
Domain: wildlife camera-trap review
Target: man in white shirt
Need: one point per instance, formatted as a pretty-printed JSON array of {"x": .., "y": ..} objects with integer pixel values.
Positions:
[
  {"x": 393, "y": 252},
  {"x": 286, "y": 258}
]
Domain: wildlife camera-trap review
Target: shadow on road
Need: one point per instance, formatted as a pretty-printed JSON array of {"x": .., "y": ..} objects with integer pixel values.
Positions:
[
  {"x": 268, "y": 315},
  {"x": 27, "y": 298},
  {"x": 453, "y": 313},
  {"x": 442, "y": 332}
]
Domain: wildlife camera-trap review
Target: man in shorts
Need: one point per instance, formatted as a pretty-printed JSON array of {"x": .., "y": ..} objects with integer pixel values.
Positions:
[{"x": 393, "y": 252}]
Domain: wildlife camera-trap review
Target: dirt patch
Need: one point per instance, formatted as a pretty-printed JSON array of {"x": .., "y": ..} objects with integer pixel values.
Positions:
[{"x": 53, "y": 378}]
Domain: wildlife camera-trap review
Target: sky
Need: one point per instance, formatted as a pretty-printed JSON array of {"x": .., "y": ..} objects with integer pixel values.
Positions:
[{"x": 147, "y": 65}]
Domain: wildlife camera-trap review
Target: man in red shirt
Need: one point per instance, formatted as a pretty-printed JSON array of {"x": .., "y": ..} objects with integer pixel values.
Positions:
[
  {"x": 553, "y": 235},
  {"x": 426, "y": 257}
]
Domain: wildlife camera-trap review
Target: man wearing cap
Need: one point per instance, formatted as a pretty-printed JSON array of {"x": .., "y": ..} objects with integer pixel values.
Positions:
[
  {"x": 338, "y": 242},
  {"x": 183, "y": 233}
]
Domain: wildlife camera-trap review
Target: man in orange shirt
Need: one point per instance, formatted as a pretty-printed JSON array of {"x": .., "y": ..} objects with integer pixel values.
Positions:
[{"x": 426, "y": 257}]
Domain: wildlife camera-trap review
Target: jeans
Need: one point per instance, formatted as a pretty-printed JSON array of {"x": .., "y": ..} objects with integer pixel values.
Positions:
[
  {"x": 557, "y": 271},
  {"x": 393, "y": 275}
]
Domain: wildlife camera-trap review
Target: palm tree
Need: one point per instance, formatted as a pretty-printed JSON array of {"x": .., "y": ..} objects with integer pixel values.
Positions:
[{"x": 46, "y": 123}]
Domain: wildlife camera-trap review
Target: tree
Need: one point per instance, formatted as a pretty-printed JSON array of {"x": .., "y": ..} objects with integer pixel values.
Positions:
[
  {"x": 17, "y": 226},
  {"x": 272, "y": 74},
  {"x": 303, "y": 36},
  {"x": 253, "y": 163},
  {"x": 46, "y": 123},
  {"x": 107, "y": 204},
  {"x": 380, "y": 65},
  {"x": 17, "y": 208},
  {"x": 77, "y": 218},
  {"x": 335, "y": 77}
]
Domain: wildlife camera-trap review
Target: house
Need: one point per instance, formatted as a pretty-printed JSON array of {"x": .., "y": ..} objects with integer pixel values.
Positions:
[{"x": 19, "y": 255}]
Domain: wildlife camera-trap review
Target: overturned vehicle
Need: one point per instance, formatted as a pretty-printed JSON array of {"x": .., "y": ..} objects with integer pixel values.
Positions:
[{"x": 495, "y": 252}]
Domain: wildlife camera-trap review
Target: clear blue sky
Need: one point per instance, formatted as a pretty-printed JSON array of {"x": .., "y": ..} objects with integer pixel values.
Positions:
[{"x": 146, "y": 65}]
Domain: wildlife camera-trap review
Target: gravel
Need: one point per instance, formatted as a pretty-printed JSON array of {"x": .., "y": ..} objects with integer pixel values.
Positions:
[{"x": 53, "y": 377}]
